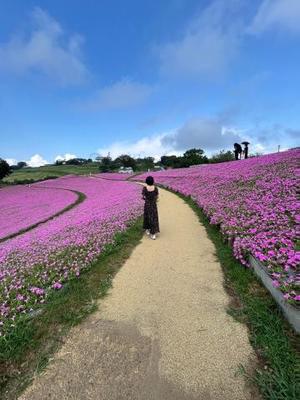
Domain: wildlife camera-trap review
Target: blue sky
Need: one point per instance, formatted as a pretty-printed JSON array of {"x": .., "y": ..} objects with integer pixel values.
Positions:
[{"x": 147, "y": 77}]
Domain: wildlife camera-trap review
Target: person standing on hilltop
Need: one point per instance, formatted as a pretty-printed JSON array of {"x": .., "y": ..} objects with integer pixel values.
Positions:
[
  {"x": 150, "y": 195},
  {"x": 245, "y": 150},
  {"x": 237, "y": 151}
]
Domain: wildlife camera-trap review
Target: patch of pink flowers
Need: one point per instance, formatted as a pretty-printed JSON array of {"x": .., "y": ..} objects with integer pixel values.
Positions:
[
  {"x": 113, "y": 176},
  {"x": 255, "y": 203},
  {"x": 23, "y": 206},
  {"x": 42, "y": 259}
]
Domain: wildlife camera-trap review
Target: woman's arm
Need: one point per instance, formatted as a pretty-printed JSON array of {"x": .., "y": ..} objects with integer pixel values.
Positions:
[{"x": 143, "y": 193}]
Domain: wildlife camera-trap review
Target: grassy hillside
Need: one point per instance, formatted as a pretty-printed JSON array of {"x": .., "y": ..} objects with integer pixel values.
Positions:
[{"x": 36, "y": 174}]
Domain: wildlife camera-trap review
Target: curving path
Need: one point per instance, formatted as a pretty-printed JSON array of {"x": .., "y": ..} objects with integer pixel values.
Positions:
[{"x": 162, "y": 333}]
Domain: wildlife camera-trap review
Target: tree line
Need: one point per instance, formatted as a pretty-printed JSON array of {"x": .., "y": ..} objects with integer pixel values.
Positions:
[
  {"x": 190, "y": 157},
  {"x": 107, "y": 164}
]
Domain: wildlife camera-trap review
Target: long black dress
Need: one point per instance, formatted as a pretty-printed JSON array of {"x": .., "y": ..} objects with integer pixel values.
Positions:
[{"x": 150, "y": 210}]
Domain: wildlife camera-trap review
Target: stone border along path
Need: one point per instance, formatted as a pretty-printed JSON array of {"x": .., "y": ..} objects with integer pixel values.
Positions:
[{"x": 163, "y": 332}]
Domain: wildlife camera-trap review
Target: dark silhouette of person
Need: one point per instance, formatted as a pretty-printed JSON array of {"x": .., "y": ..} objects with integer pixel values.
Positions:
[
  {"x": 237, "y": 150},
  {"x": 150, "y": 195},
  {"x": 246, "y": 149}
]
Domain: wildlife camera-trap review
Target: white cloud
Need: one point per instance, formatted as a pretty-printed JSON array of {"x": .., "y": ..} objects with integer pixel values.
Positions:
[
  {"x": 149, "y": 146},
  {"x": 212, "y": 134},
  {"x": 47, "y": 50},
  {"x": 259, "y": 148},
  {"x": 120, "y": 95},
  {"x": 11, "y": 161},
  {"x": 209, "y": 134},
  {"x": 36, "y": 161},
  {"x": 208, "y": 44},
  {"x": 277, "y": 14},
  {"x": 270, "y": 136},
  {"x": 65, "y": 157},
  {"x": 211, "y": 41},
  {"x": 205, "y": 133}
]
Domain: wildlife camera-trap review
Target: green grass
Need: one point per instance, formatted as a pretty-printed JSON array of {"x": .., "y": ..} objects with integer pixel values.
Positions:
[
  {"x": 278, "y": 374},
  {"x": 30, "y": 345},
  {"x": 40, "y": 173}
]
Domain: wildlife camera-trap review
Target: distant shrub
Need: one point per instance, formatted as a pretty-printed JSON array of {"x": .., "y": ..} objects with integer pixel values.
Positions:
[
  {"x": 223, "y": 156},
  {"x": 4, "y": 168}
]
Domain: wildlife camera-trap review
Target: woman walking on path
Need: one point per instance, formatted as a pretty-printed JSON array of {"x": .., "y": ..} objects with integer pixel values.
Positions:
[{"x": 150, "y": 195}]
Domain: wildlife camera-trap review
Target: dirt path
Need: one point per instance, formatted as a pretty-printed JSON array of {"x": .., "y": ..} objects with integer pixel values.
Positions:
[{"x": 162, "y": 333}]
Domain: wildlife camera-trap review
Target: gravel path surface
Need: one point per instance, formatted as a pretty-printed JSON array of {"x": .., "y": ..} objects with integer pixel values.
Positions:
[{"x": 162, "y": 333}]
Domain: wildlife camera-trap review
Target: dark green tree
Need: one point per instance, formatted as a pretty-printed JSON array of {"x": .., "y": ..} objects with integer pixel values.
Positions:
[
  {"x": 194, "y": 157},
  {"x": 126, "y": 161},
  {"x": 21, "y": 164},
  {"x": 106, "y": 164},
  {"x": 143, "y": 164},
  {"x": 4, "y": 168},
  {"x": 222, "y": 156},
  {"x": 73, "y": 161},
  {"x": 82, "y": 160},
  {"x": 170, "y": 161}
]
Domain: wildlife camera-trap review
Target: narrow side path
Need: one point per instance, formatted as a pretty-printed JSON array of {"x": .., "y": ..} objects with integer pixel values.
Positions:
[{"x": 162, "y": 333}]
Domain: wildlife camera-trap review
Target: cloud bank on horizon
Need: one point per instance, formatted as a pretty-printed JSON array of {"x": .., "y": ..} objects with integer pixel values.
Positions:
[
  {"x": 88, "y": 92},
  {"x": 35, "y": 161}
]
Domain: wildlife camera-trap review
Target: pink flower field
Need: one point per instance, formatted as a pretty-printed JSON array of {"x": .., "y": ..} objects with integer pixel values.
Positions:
[
  {"x": 113, "y": 176},
  {"x": 255, "y": 203},
  {"x": 42, "y": 259},
  {"x": 23, "y": 206}
]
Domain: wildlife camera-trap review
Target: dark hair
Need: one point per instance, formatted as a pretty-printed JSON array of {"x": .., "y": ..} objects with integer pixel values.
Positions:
[{"x": 150, "y": 180}]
